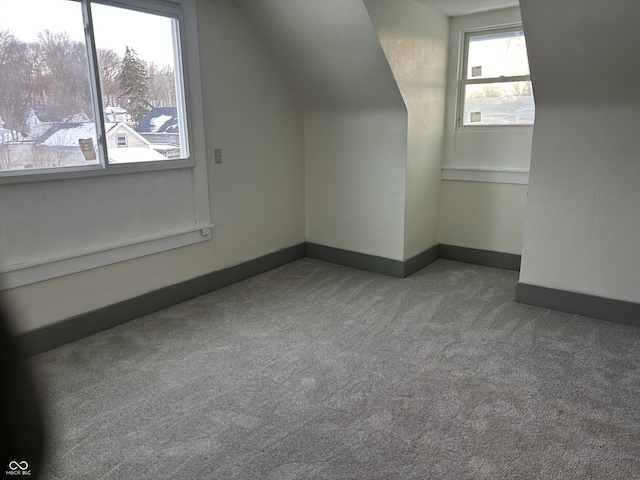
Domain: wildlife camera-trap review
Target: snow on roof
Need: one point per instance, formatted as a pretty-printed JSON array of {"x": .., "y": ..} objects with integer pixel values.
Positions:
[
  {"x": 159, "y": 120},
  {"x": 67, "y": 134},
  {"x": 134, "y": 154}
]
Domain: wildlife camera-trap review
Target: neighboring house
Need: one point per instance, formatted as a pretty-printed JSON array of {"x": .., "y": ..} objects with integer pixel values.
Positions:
[
  {"x": 40, "y": 120},
  {"x": 116, "y": 114},
  {"x": 161, "y": 128},
  {"x": 120, "y": 135},
  {"x": 124, "y": 144}
]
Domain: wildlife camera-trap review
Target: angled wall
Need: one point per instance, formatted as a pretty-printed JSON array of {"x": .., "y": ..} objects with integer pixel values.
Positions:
[
  {"x": 355, "y": 121},
  {"x": 582, "y": 227},
  {"x": 415, "y": 39},
  {"x": 371, "y": 77}
]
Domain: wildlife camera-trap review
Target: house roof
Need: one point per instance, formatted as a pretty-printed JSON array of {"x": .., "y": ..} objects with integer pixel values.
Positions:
[
  {"x": 159, "y": 120},
  {"x": 67, "y": 134},
  {"x": 47, "y": 115}
]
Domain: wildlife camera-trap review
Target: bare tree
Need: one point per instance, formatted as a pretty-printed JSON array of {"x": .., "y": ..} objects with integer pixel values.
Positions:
[
  {"x": 109, "y": 64},
  {"x": 64, "y": 85},
  {"x": 162, "y": 86},
  {"x": 16, "y": 81}
]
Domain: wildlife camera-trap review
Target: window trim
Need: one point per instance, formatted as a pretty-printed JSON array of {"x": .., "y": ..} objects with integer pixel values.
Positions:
[
  {"x": 463, "y": 81},
  {"x": 168, "y": 8},
  {"x": 123, "y": 137}
]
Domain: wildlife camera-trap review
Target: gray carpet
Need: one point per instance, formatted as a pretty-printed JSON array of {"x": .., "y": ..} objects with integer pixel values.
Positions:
[{"x": 318, "y": 371}]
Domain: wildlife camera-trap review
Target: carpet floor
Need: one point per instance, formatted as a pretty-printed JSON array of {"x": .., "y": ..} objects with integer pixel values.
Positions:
[{"x": 319, "y": 371}]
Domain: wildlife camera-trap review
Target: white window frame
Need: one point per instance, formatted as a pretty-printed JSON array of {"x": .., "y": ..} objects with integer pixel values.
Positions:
[
  {"x": 60, "y": 265},
  {"x": 464, "y": 81},
  {"x": 169, "y": 8}
]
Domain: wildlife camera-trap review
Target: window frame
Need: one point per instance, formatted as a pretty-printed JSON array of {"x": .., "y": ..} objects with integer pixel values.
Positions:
[
  {"x": 123, "y": 137},
  {"x": 463, "y": 81},
  {"x": 168, "y": 8}
]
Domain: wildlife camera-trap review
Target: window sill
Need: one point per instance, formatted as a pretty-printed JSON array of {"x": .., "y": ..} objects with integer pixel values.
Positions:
[
  {"x": 517, "y": 177},
  {"x": 26, "y": 273}
]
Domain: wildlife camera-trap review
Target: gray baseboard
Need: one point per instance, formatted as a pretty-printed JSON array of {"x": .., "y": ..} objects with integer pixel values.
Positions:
[
  {"x": 421, "y": 260},
  {"x": 362, "y": 261},
  {"x": 397, "y": 268},
  {"x": 75, "y": 328},
  {"x": 506, "y": 261},
  {"x": 592, "y": 306}
]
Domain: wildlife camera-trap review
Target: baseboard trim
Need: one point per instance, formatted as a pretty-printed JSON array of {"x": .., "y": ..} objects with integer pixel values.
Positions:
[
  {"x": 60, "y": 333},
  {"x": 362, "y": 261},
  {"x": 506, "y": 261},
  {"x": 421, "y": 260},
  {"x": 602, "y": 308}
]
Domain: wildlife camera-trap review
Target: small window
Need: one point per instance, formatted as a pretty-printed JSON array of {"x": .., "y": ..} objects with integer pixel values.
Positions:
[
  {"x": 121, "y": 140},
  {"x": 495, "y": 89}
]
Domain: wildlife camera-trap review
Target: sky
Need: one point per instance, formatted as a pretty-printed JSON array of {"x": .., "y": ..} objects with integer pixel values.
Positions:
[{"x": 149, "y": 35}]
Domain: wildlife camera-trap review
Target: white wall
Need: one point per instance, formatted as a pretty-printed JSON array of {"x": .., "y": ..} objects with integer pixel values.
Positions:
[
  {"x": 355, "y": 179},
  {"x": 485, "y": 216},
  {"x": 256, "y": 194},
  {"x": 415, "y": 40},
  {"x": 582, "y": 227}
]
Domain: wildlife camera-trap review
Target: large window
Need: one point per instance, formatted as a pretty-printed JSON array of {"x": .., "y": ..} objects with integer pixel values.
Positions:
[
  {"x": 90, "y": 85},
  {"x": 495, "y": 88}
]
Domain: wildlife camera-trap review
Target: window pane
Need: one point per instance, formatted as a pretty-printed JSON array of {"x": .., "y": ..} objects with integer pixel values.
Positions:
[
  {"x": 501, "y": 103},
  {"x": 137, "y": 67},
  {"x": 495, "y": 55},
  {"x": 45, "y": 93}
]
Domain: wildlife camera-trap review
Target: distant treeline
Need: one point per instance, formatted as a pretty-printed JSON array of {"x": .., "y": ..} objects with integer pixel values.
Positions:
[{"x": 52, "y": 72}]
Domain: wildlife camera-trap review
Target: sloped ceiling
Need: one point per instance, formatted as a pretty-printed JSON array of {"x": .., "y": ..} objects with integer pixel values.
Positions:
[
  {"x": 583, "y": 55},
  {"x": 328, "y": 50},
  {"x": 454, "y": 8}
]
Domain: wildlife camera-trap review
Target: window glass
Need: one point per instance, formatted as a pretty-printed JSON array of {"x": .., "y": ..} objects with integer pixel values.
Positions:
[
  {"x": 45, "y": 94},
  {"x": 493, "y": 55},
  {"x": 501, "y": 103},
  {"x": 137, "y": 68}
]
